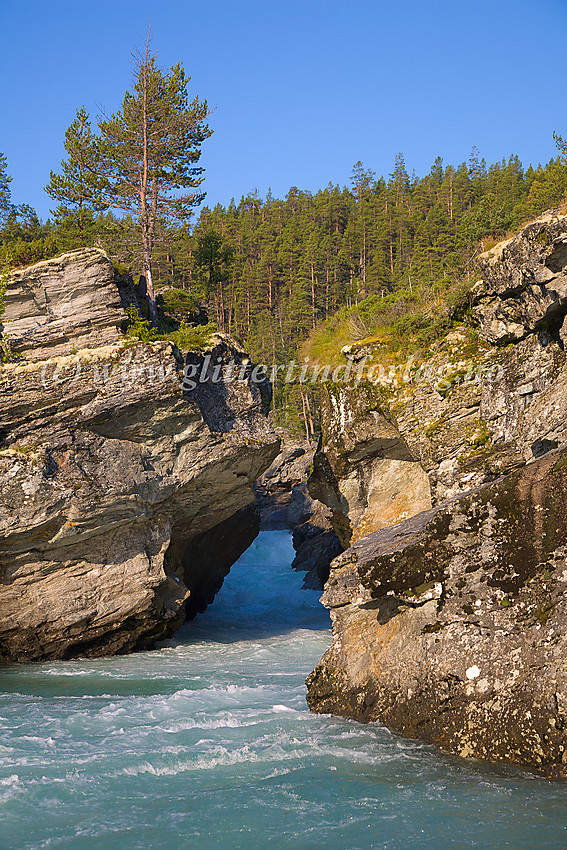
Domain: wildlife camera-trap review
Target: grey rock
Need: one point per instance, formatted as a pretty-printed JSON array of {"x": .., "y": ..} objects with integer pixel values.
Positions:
[
  {"x": 363, "y": 469},
  {"x": 280, "y": 495},
  {"x": 450, "y": 626},
  {"x": 284, "y": 502},
  {"x": 70, "y": 301},
  {"x": 315, "y": 544},
  {"x": 109, "y": 470},
  {"x": 524, "y": 283}
]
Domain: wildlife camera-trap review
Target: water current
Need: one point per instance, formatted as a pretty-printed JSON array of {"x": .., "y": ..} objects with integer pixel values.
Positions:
[{"x": 207, "y": 742}]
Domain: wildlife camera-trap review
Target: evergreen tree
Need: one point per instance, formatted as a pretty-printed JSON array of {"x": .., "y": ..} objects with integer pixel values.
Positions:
[
  {"x": 78, "y": 188},
  {"x": 5, "y": 192},
  {"x": 148, "y": 152}
]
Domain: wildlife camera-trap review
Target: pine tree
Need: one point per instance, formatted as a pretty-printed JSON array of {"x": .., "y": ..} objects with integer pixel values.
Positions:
[
  {"x": 5, "y": 193},
  {"x": 148, "y": 152},
  {"x": 78, "y": 188}
]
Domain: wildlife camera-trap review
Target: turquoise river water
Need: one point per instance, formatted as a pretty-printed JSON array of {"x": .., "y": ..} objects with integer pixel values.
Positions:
[{"x": 208, "y": 743}]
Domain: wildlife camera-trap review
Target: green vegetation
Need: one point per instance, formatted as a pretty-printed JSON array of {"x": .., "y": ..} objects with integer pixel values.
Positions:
[
  {"x": 6, "y": 353},
  {"x": 191, "y": 337},
  {"x": 386, "y": 263},
  {"x": 542, "y": 615},
  {"x": 141, "y": 159},
  {"x": 138, "y": 327},
  {"x": 185, "y": 337},
  {"x": 432, "y": 628},
  {"x": 173, "y": 300}
]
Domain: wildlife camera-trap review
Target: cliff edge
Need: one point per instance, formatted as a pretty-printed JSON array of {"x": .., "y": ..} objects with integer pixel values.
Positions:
[
  {"x": 114, "y": 469},
  {"x": 446, "y": 480}
]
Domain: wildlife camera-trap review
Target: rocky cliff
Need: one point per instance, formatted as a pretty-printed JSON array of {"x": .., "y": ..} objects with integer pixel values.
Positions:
[
  {"x": 445, "y": 477},
  {"x": 114, "y": 469}
]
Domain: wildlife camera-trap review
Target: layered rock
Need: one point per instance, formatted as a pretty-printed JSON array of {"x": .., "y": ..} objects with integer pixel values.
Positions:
[
  {"x": 316, "y": 544},
  {"x": 449, "y": 625},
  {"x": 524, "y": 283},
  {"x": 111, "y": 466},
  {"x": 363, "y": 470},
  {"x": 281, "y": 497},
  {"x": 68, "y": 301}
]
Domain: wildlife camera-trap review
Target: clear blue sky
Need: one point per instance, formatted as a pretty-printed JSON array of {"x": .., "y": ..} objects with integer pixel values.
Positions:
[{"x": 300, "y": 90}]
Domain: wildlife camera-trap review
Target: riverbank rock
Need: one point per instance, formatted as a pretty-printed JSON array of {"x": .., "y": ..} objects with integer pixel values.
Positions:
[
  {"x": 112, "y": 468},
  {"x": 363, "y": 469},
  {"x": 281, "y": 498},
  {"x": 284, "y": 503},
  {"x": 315, "y": 544},
  {"x": 451, "y": 626},
  {"x": 449, "y": 623}
]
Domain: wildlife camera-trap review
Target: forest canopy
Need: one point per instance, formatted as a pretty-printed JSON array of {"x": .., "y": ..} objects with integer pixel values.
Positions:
[{"x": 324, "y": 267}]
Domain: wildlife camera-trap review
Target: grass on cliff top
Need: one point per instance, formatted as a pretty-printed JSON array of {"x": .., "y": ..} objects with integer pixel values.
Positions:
[{"x": 394, "y": 326}]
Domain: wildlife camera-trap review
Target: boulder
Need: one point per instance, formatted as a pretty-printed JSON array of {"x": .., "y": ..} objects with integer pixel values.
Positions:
[{"x": 70, "y": 301}]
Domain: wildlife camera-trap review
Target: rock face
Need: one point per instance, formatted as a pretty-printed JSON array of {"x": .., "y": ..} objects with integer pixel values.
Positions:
[
  {"x": 283, "y": 502},
  {"x": 207, "y": 558},
  {"x": 71, "y": 300},
  {"x": 524, "y": 283},
  {"x": 280, "y": 492},
  {"x": 363, "y": 469},
  {"x": 450, "y": 625},
  {"x": 315, "y": 544},
  {"x": 111, "y": 469}
]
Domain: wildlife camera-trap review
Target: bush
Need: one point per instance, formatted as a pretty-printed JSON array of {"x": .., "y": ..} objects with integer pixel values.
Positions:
[{"x": 139, "y": 328}]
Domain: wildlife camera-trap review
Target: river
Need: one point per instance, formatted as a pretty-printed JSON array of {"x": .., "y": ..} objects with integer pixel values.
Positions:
[{"x": 207, "y": 743}]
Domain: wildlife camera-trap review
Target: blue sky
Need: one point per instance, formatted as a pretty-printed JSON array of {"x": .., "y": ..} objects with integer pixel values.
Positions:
[{"x": 300, "y": 90}]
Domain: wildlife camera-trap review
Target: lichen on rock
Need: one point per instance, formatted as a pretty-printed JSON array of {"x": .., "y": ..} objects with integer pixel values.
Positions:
[{"x": 450, "y": 626}]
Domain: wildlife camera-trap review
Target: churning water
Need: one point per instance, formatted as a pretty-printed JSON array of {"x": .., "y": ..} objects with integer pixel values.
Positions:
[{"x": 208, "y": 743}]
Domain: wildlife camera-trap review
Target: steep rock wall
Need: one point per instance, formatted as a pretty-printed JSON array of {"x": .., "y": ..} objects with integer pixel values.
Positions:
[
  {"x": 450, "y": 625},
  {"x": 109, "y": 467}
]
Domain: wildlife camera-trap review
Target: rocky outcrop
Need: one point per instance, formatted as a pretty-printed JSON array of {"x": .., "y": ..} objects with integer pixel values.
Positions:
[
  {"x": 112, "y": 468},
  {"x": 524, "y": 283},
  {"x": 283, "y": 502},
  {"x": 363, "y": 470},
  {"x": 449, "y": 625},
  {"x": 205, "y": 560},
  {"x": 281, "y": 498},
  {"x": 316, "y": 544},
  {"x": 71, "y": 301}
]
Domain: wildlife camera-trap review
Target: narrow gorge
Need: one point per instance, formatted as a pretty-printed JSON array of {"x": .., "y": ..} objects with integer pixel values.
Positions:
[{"x": 133, "y": 475}]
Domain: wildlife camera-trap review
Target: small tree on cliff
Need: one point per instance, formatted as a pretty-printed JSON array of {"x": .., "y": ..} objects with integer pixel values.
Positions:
[
  {"x": 147, "y": 154},
  {"x": 560, "y": 142}
]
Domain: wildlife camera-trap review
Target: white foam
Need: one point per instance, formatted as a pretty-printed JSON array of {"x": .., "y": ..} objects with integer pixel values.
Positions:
[{"x": 10, "y": 787}]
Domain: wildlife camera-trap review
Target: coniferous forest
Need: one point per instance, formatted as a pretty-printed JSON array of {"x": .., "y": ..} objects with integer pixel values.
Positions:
[{"x": 322, "y": 268}]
